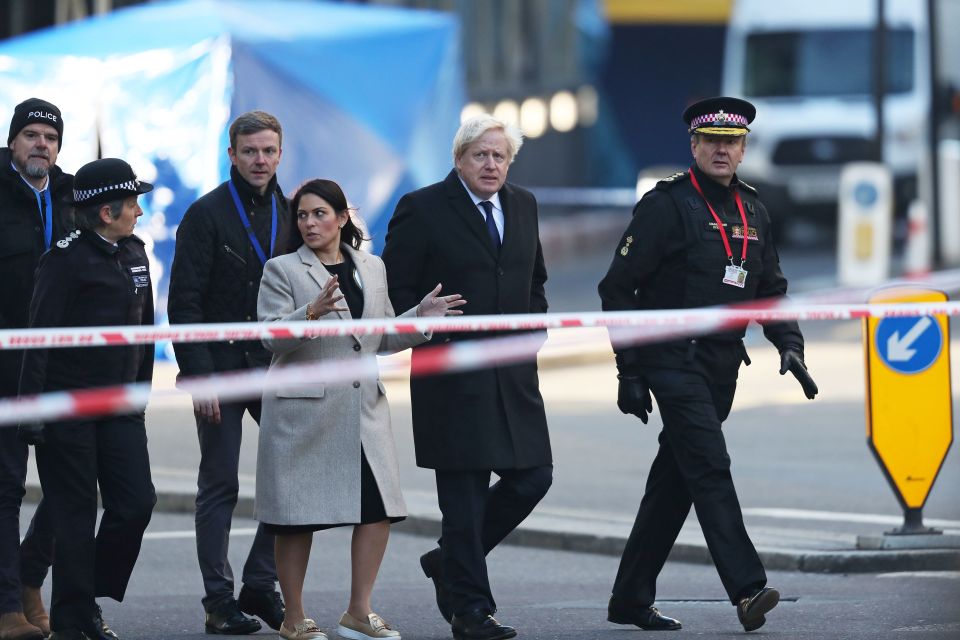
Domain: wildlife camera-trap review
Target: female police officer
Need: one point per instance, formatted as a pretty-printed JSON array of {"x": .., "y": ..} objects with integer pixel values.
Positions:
[{"x": 97, "y": 275}]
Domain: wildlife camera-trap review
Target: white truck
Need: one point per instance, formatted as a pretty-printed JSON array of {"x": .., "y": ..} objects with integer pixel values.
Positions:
[{"x": 808, "y": 66}]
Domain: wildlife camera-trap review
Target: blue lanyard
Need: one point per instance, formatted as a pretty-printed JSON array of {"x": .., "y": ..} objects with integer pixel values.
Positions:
[
  {"x": 246, "y": 223},
  {"x": 48, "y": 219}
]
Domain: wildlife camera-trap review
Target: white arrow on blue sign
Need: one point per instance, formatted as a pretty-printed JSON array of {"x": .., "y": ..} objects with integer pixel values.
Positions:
[{"x": 909, "y": 345}]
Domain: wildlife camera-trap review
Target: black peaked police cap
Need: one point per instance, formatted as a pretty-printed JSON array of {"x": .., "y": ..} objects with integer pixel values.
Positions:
[
  {"x": 103, "y": 181},
  {"x": 721, "y": 116}
]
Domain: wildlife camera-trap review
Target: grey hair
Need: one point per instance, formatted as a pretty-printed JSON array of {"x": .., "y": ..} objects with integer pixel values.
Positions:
[
  {"x": 88, "y": 217},
  {"x": 474, "y": 128}
]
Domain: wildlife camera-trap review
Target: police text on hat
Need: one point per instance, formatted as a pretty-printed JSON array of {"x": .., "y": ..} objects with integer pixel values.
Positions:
[{"x": 35, "y": 110}]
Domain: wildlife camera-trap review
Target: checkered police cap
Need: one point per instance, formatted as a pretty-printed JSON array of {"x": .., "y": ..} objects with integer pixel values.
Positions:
[
  {"x": 721, "y": 116},
  {"x": 105, "y": 180}
]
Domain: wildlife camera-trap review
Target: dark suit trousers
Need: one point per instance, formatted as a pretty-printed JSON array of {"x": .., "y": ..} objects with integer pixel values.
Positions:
[
  {"x": 26, "y": 563},
  {"x": 76, "y": 457},
  {"x": 476, "y": 517},
  {"x": 217, "y": 491},
  {"x": 691, "y": 467}
]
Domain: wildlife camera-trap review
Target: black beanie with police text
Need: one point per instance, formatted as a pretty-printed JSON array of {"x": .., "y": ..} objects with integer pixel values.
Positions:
[{"x": 35, "y": 110}]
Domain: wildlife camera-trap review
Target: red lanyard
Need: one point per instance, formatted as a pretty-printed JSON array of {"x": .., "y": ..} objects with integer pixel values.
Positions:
[{"x": 723, "y": 234}]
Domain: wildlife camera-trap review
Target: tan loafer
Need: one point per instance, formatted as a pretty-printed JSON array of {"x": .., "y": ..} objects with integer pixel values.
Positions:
[
  {"x": 14, "y": 626},
  {"x": 34, "y": 610},
  {"x": 306, "y": 629},
  {"x": 370, "y": 629}
]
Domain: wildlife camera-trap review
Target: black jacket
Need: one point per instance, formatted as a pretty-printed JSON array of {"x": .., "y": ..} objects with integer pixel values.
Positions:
[
  {"x": 492, "y": 418},
  {"x": 216, "y": 272},
  {"x": 21, "y": 244},
  {"x": 672, "y": 257},
  {"x": 84, "y": 281}
]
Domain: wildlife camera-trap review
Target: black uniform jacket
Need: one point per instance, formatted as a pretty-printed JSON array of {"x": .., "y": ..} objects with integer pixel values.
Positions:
[
  {"x": 216, "y": 272},
  {"x": 21, "y": 244},
  {"x": 672, "y": 257},
  {"x": 85, "y": 281},
  {"x": 492, "y": 418}
]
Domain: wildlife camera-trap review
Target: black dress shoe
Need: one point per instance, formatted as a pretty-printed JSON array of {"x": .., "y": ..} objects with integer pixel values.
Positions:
[
  {"x": 431, "y": 563},
  {"x": 751, "y": 610},
  {"x": 480, "y": 625},
  {"x": 100, "y": 630},
  {"x": 226, "y": 619},
  {"x": 266, "y": 605},
  {"x": 646, "y": 617},
  {"x": 68, "y": 634}
]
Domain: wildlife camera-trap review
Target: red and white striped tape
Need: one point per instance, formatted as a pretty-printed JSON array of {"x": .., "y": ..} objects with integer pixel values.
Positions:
[
  {"x": 629, "y": 327},
  {"x": 822, "y": 305},
  {"x": 766, "y": 311},
  {"x": 456, "y": 356}
]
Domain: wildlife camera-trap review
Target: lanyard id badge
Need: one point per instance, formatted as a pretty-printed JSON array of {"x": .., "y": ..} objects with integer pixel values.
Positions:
[
  {"x": 733, "y": 275},
  {"x": 249, "y": 229}
]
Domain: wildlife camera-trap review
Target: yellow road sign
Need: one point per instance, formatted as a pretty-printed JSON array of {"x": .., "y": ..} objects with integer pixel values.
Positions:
[{"x": 909, "y": 405}]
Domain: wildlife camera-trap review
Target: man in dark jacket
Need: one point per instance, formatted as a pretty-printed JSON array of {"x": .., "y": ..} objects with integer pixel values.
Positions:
[
  {"x": 699, "y": 238},
  {"x": 223, "y": 242},
  {"x": 478, "y": 236},
  {"x": 32, "y": 215},
  {"x": 98, "y": 275}
]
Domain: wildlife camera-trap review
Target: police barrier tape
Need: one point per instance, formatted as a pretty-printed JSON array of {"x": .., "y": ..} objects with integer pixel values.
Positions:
[
  {"x": 633, "y": 327},
  {"x": 451, "y": 357},
  {"x": 772, "y": 310},
  {"x": 833, "y": 304}
]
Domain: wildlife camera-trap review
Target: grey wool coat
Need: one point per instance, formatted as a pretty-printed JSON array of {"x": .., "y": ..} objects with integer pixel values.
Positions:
[{"x": 308, "y": 459}]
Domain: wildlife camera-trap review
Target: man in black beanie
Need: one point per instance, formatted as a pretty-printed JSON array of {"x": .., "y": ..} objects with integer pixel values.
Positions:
[{"x": 32, "y": 216}]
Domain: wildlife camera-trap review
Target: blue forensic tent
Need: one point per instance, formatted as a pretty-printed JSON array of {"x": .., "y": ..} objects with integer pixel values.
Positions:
[{"x": 367, "y": 96}]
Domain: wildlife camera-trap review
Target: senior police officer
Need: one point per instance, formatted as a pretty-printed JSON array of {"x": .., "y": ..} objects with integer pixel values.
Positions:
[
  {"x": 699, "y": 238},
  {"x": 32, "y": 215},
  {"x": 97, "y": 275},
  {"x": 223, "y": 242}
]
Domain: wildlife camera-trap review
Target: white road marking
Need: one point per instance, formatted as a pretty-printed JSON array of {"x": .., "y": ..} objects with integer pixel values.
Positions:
[
  {"x": 948, "y": 575},
  {"x": 181, "y": 535}
]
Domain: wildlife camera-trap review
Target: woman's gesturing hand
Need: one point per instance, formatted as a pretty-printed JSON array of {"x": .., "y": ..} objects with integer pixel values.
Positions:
[
  {"x": 434, "y": 305},
  {"x": 327, "y": 300}
]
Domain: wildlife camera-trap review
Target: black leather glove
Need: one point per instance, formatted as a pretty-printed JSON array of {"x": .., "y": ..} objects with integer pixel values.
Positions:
[
  {"x": 634, "y": 397},
  {"x": 31, "y": 433},
  {"x": 792, "y": 360}
]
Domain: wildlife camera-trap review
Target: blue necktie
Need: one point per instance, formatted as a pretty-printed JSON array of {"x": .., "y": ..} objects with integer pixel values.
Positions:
[{"x": 491, "y": 224}]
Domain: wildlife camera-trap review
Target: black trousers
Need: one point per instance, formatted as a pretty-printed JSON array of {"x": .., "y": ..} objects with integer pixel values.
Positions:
[
  {"x": 217, "y": 491},
  {"x": 692, "y": 467},
  {"x": 476, "y": 517},
  {"x": 23, "y": 563},
  {"x": 90, "y": 563}
]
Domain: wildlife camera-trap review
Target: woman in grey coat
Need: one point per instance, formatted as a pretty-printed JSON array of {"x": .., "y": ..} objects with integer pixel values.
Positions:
[{"x": 326, "y": 454}]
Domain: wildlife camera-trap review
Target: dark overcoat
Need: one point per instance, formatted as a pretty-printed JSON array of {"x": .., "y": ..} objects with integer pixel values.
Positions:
[
  {"x": 21, "y": 244},
  {"x": 491, "y": 418}
]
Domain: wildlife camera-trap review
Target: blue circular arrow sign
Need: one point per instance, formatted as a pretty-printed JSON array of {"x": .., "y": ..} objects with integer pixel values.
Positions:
[
  {"x": 865, "y": 194},
  {"x": 909, "y": 345}
]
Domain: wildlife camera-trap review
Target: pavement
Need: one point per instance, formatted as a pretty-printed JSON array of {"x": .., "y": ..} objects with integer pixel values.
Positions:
[
  {"x": 821, "y": 550},
  {"x": 546, "y": 594}
]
